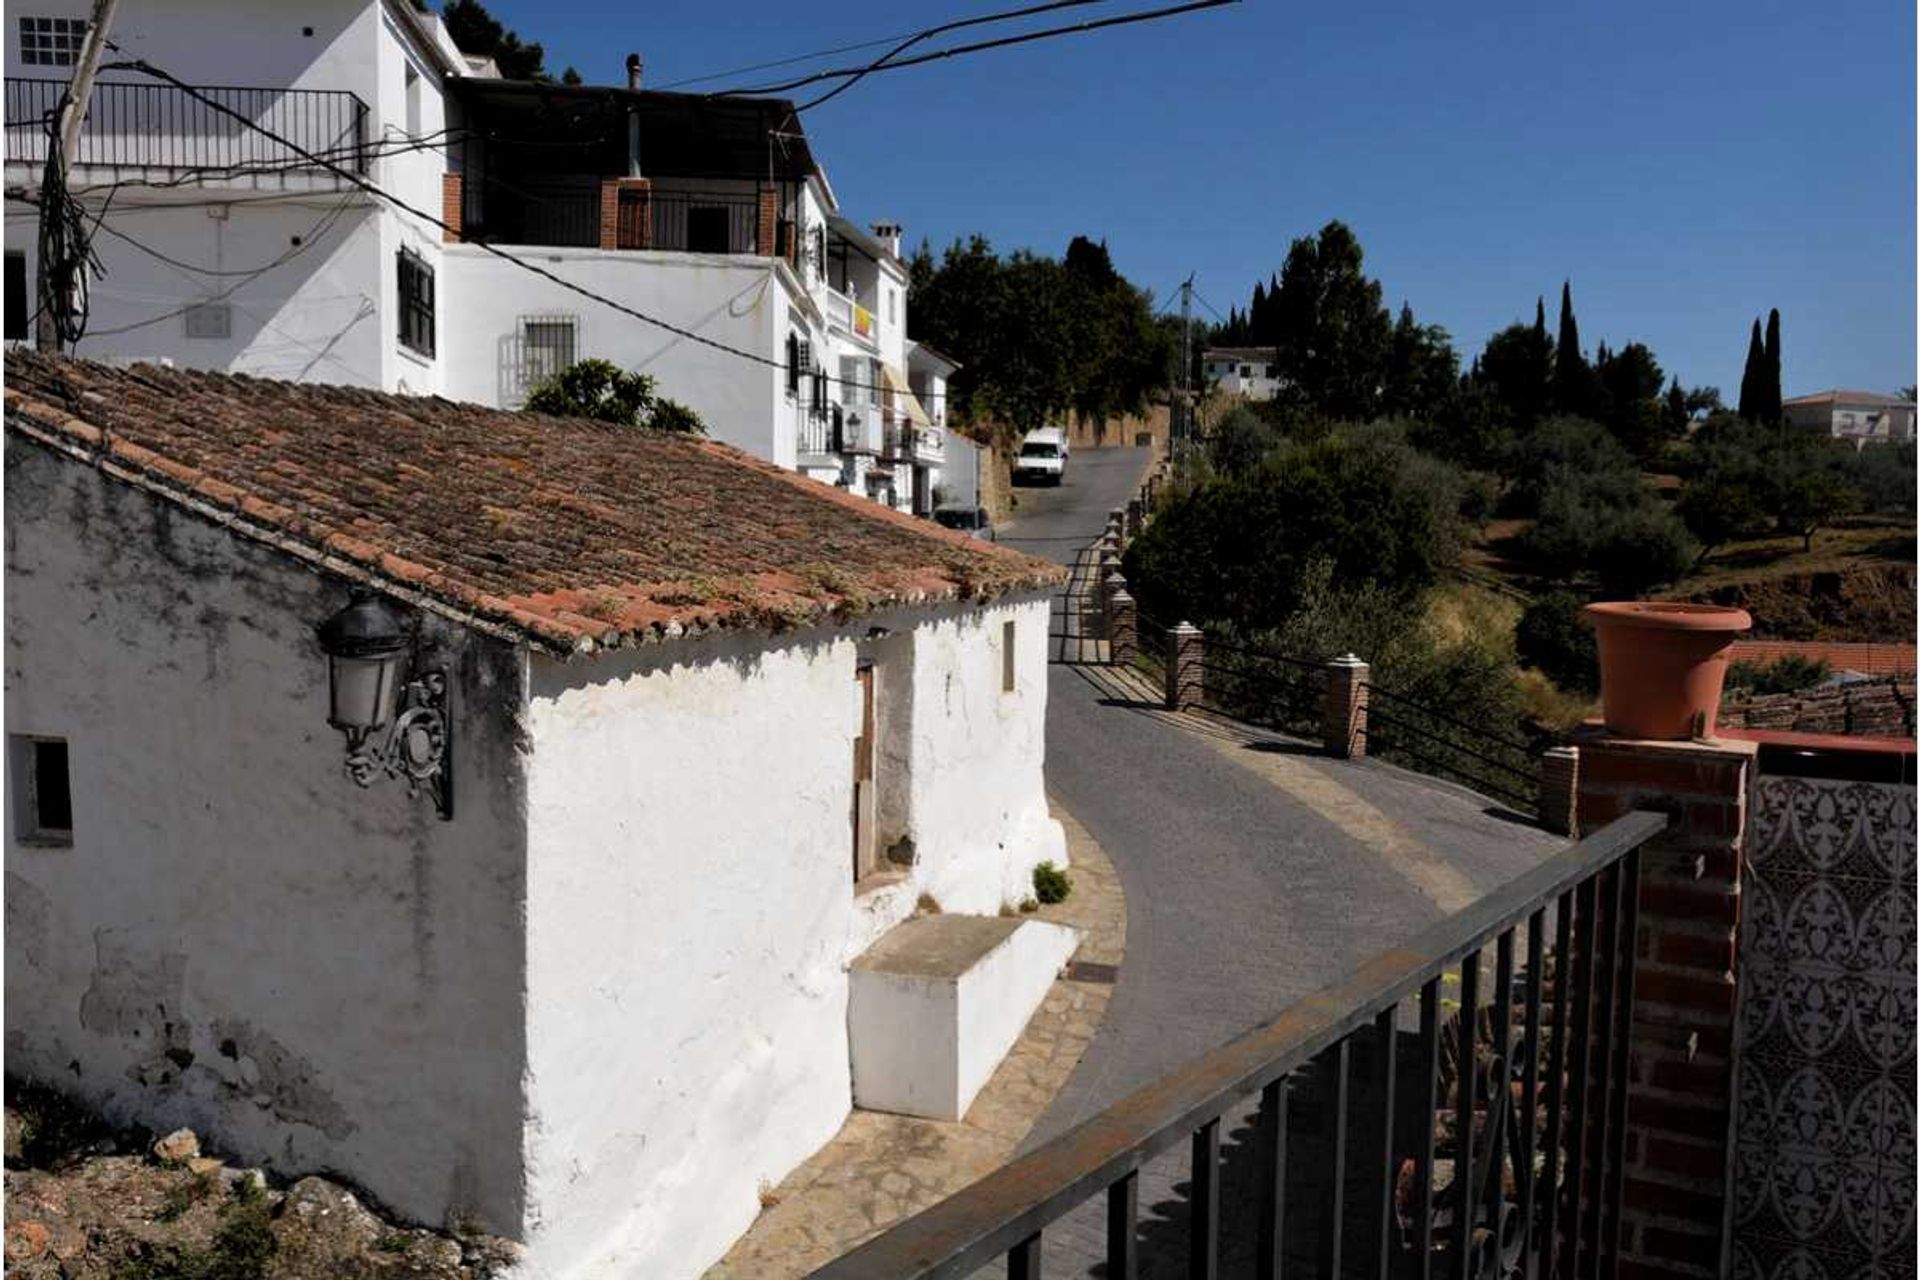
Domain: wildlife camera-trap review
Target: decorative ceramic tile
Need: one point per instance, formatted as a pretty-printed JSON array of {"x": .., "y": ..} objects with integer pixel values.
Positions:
[{"x": 1825, "y": 1150}]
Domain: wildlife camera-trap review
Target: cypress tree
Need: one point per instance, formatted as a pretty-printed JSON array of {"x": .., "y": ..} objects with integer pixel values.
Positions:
[
  {"x": 1571, "y": 377},
  {"x": 1257, "y": 318},
  {"x": 1750, "y": 377},
  {"x": 1770, "y": 403},
  {"x": 1677, "y": 413}
]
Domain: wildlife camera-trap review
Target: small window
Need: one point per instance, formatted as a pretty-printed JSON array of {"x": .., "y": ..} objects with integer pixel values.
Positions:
[
  {"x": 547, "y": 345},
  {"x": 19, "y": 315},
  {"x": 1246, "y": 371},
  {"x": 209, "y": 320},
  {"x": 416, "y": 303},
  {"x": 893, "y": 306},
  {"x": 42, "y": 791},
  {"x": 1006, "y": 658},
  {"x": 413, "y": 102},
  {"x": 51, "y": 42}
]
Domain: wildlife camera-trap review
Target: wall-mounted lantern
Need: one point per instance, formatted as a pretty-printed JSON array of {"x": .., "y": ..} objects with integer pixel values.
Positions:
[{"x": 396, "y": 722}]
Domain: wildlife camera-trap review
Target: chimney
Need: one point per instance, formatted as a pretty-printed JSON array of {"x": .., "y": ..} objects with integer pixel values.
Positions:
[
  {"x": 633, "y": 71},
  {"x": 888, "y": 234}
]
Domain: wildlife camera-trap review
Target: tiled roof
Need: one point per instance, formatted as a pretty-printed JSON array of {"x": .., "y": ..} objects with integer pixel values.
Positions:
[
  {"x": 574, "y": 534},
  {"x": 1239, "y": 353},
  {"x": 1848, "y": 397}
]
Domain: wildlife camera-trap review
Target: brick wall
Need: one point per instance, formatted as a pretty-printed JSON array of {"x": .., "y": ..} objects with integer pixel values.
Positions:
[
  {"x": 1675, "y": 1212},
  {"x": 769, "y": 221},
  {"x": 452, "y": 205}
]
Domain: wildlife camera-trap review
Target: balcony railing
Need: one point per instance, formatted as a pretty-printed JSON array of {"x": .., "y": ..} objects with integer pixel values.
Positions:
[
  {"x": 160, "y": 126},
  {"x": 1484, "y": 1137}
]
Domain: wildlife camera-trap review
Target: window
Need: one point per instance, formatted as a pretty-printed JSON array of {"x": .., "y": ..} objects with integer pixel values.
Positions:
[
  {"x": 51, "y": 42},
  {"x": 1246, "y": 371},
  {"x": 893, "y": 306},
  {"x": 707, "y": 229},
  {"x": 19, "y": 314},
  {"x": 209, "y": 320},
  {"x": 853, "y": 393},
  {"x": 413, "y": 102},
  {"x": 817, "y": 251},
  {"x": 1006, "y": 658},
  {"x": 799, "y": 363},
  {"x": 416, "y": 303},
  {"x": 547, "y": 345},
  {"x": 42, "y": 790}
]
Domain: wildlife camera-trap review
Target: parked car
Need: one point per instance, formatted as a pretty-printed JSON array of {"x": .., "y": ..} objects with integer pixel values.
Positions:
[
  {"x": 1042, "y": 458},
  {"x": 972, "y": 521}
]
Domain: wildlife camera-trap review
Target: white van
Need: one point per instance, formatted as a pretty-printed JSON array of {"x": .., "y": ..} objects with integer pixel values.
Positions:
[{"x": 1042, "y": 458}]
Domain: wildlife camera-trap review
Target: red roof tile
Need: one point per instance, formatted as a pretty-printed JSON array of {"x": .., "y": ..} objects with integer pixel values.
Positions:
[{"x": 575, "y": 534}]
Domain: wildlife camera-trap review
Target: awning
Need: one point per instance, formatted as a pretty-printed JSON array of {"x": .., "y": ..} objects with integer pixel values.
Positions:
[{"x": 903, "y": 394}]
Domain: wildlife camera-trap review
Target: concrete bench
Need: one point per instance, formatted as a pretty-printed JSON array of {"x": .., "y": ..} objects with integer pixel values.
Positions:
[{"x": 937, "y": 1002}]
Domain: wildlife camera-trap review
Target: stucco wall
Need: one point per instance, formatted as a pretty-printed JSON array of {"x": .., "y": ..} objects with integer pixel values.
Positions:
[
  {"x": 313, "y": 975},
  {"x": 690, "y": 890},
  {"x": 740, "y": 301},
  {"x": 691, "y": 906}
]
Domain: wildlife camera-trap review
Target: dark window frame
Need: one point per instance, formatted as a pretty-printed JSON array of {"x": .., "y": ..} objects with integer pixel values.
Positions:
[{"x": 416, "y": 298}]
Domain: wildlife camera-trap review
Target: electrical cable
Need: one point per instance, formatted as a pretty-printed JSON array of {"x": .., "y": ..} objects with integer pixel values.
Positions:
[
  {"x": 1002, "y": 42},
  {"x": 782, "y": 62}
]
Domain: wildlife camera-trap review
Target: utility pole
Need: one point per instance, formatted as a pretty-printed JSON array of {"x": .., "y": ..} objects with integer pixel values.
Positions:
[
  {"x": 73, "y": 115},
  {"x": 1183, "y": 426}
]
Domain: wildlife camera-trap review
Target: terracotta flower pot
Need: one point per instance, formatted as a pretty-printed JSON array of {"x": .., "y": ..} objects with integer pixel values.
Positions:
[{"x": 1662, "y": 665}]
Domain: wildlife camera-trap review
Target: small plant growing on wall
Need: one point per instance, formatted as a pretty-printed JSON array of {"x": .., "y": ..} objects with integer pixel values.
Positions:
[{"x": 1051, "y": 884}]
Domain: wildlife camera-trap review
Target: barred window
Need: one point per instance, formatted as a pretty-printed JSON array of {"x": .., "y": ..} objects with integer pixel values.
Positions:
[
  {"x": 416, "y": 303},
  {"x": 51, "y": 42},
  {"x": 852, "y": 375},
  {"x": 547, "y": 345}
]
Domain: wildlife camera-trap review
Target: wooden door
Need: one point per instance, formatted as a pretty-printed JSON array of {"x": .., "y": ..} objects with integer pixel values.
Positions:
[{"x": 865, "y": 795}]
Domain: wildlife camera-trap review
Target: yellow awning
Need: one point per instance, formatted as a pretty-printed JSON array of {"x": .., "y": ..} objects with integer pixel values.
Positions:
[{"x": 903, "y": 394}]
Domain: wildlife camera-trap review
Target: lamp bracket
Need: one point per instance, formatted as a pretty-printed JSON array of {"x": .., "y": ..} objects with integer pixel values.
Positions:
[{"x": 417, "y": 747}]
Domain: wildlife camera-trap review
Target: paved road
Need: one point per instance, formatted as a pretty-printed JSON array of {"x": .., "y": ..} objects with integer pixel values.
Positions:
[{"x": 1255, "y": 870}]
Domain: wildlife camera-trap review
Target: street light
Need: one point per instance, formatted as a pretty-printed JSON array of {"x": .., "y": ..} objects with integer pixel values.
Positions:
[{"x": 367, "y": 659}]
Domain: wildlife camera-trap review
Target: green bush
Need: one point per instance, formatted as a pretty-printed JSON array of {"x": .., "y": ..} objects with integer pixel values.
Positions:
[
  {"x": 1551, "y": 637},
  {"x": 602, "y": 390},
  {"x": 1051, "y": 884},
  {"x": 1785, "y": 675}
]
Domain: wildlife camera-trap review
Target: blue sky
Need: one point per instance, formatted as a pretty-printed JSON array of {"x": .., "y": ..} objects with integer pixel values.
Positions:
[{"x": 1686, "y": 164}]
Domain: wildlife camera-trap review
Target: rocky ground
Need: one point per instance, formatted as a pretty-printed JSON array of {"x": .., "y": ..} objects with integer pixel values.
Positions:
[{"x": 86, "y": 1202}]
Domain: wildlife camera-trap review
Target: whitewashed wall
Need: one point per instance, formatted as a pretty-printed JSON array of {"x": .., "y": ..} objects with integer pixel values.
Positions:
[
  {"x": 691, "y": 907},
  {"x": 741, "y": 301},
  {"x": 690, "y": 891},
  {"x": 312, "y": 975}
]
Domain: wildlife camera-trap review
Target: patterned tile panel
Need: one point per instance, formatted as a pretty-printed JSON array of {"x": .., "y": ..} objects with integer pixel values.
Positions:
[{"x": 1825, "y": 1155}]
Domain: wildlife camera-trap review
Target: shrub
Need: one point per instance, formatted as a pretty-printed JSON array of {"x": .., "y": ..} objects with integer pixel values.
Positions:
[
  {"x": 1051, "y": 884},
  {"x": 602, "y": 390},
  {"x": 1785, "y": 675},
  {"x": 1552, "y": 638}
]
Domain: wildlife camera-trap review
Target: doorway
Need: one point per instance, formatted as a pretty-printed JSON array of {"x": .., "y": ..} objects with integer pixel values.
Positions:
[{"x": 866, "y": 791}]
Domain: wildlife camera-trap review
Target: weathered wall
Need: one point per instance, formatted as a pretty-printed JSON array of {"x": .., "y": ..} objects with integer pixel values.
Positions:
[
  {"x": 692, "y": 910},
  {"x": 313, "y": 975}
]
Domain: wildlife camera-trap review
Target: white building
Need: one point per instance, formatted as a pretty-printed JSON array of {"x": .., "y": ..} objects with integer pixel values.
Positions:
[
  {"x": 780, "y": 321},
  {"x": 678, "y": 771},
  {"x": 1247, "y": 372},
  {"x": 1862, "y": 417}
]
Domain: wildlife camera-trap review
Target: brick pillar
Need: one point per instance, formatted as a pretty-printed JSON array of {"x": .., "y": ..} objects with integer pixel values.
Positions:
[
  {"x": 1559, "y": 789},
  {"x": 452, "y": 205},
  {"x": 635, "y": 229},
  {"x": 1676, "y": 1214},
  {"x": 609, "y": 213},
  {"x": 1123, "y": 629},
  {"x": 768, "y": 224},
  {"x": 1186, "y": 670},
  {"x": 1343, "y": 713}
]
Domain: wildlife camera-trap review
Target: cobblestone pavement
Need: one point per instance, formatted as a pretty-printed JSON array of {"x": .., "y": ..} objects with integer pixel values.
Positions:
[{"x": 881, "y": 1168}]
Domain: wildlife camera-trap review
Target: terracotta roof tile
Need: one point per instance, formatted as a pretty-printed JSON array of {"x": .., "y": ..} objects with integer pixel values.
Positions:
[{"x": 573, "y": 534}]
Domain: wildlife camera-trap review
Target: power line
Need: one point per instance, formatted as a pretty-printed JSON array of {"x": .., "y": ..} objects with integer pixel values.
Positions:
[
  {"x": 783, "y": 62},
  {"x": 983, "y": 46}
]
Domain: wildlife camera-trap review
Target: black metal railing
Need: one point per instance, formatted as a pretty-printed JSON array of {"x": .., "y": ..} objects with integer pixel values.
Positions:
[
  {"x": 1261, "y": 687},
  {"x": 705, "y": 222},
  {"x": 1479, "y": 1141},
  {"x": 160, "y": 126},
  {"x": 1432, "y": 740}
]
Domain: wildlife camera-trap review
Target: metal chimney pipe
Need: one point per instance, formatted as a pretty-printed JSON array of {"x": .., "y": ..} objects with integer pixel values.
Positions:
[{"x": 633, "y": 71}]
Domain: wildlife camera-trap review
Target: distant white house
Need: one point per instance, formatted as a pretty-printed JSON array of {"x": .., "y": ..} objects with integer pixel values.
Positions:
[
  {"x": 780, "y": 320},
  {"x": 492, "y": 807},
  {"x": 1862, "y": 417},
  {"x": 1247, "y": 372}
]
